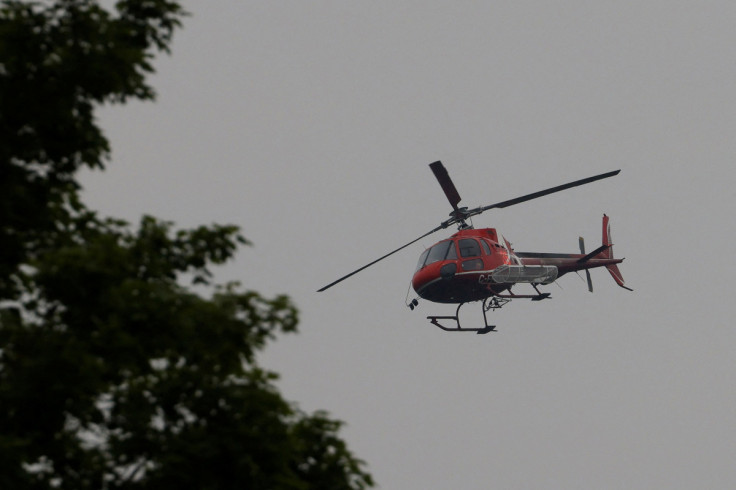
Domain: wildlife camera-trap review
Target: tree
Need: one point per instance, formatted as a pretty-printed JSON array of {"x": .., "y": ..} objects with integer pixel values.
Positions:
[{"x": 113, "y": 372}]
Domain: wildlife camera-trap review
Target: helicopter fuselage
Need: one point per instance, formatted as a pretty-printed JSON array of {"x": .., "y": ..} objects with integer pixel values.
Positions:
[{"x": 474, "y": 264}]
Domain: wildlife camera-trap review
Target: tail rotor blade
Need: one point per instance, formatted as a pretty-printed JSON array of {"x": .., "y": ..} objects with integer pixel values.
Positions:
[{"x": 581, "y": 242}]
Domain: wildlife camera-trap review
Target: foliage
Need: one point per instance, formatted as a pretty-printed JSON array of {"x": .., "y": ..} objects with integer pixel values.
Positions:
[
  {"x": 56, "y": 62},
  {"x": 113, "y": 374}
]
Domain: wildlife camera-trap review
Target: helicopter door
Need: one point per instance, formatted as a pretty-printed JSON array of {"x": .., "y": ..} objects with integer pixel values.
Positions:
[{"x": 470, "y": 250}]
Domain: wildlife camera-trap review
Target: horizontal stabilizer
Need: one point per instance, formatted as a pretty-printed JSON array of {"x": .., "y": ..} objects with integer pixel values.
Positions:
[{"x": 616, "y": 274}]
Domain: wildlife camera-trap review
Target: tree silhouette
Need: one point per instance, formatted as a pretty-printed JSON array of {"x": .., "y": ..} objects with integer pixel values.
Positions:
[{"x": 113, "y": 372}]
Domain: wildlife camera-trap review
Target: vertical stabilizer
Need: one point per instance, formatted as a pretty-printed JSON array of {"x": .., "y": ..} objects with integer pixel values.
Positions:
[{"x": 608, "y": 254}]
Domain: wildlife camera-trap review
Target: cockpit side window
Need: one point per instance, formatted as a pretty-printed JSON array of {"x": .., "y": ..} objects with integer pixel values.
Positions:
[
  {"x": 452, "y": 253},
  {"x": 486, "y": 248},
  {"x": 468, "y": 248}
]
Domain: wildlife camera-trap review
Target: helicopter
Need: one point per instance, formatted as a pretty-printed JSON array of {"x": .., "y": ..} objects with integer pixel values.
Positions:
[{"x": 479, "y": 265}]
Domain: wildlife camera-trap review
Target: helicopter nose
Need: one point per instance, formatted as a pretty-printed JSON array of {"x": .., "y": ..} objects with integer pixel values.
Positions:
[{"x": 434, "y": 278}]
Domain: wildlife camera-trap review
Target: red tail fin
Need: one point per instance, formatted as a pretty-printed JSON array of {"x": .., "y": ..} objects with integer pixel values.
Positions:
[{"x": 608, "y": 254}]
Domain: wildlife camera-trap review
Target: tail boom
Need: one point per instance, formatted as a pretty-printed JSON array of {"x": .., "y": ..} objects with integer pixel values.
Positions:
[{"x": 600, "y": 257}]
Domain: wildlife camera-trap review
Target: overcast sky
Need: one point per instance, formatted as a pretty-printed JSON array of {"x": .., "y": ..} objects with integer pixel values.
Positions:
[{"x": 311, "y": 125}]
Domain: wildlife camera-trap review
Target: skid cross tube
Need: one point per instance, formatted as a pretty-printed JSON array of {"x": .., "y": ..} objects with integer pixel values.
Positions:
[{"x": 435, "y": 320}]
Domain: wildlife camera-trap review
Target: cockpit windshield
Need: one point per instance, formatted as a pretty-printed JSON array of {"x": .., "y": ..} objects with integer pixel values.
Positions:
[
  {"x": 422, "y": 259},
  {"x": 442, "y": 251}
]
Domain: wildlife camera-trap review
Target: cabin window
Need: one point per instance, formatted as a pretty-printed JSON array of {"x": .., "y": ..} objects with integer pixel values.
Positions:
[
  {"x": 472, "y": 265},
  {"x": 468, "y": 247},
  {"x": 486, "y": 248}
]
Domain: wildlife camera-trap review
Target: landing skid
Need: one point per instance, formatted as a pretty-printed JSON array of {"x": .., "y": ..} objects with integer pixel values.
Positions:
[{"x": 491, "y": 303}]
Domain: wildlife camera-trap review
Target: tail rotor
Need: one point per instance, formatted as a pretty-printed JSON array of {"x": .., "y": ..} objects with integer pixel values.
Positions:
[{"x": 581, "y": 242}]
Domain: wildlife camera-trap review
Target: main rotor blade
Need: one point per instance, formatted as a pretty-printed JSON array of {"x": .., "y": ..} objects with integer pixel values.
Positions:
[
  {"x": 545, "y": 192},
  {"x": 379, "y": 259},
  {"x": 446, "y": 183}
]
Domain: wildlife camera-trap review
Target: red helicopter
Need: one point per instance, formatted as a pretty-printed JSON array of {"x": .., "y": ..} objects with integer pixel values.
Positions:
[{"x": 477, "y": 265}]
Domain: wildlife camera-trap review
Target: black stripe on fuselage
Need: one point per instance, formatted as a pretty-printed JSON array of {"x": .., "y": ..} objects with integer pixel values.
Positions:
[{"x": 541, "y": 255}]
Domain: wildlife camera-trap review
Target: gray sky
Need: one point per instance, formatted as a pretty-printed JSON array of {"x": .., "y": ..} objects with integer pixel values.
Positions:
[{"x": 311, "y": 124}]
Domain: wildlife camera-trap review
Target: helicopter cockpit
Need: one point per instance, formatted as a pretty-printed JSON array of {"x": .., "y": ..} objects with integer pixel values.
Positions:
[
  {"x": 473, "y": 252},
  {"x": 441, "y": 251}
]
